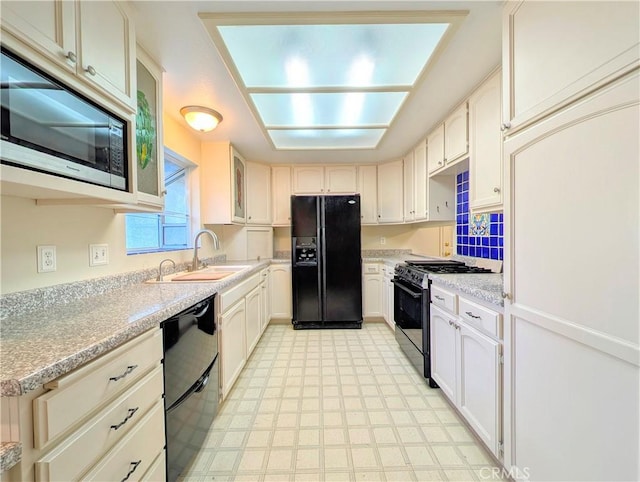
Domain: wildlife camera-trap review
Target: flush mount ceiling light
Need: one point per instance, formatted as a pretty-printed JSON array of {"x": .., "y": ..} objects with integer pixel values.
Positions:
[
  {"x": 200, "y": 118},
  {"x": 329, "y": 81}
]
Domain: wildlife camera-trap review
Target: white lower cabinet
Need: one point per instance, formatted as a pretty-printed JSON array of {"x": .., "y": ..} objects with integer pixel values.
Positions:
[
  {"x": 387, "y": 294},
  {"x": 265, "y": 297},
  {"x": 100, "y": 421},
  {"x": 280, "y": 277},
  {"x": 372, "y": 290},
  {"x": 467, "y": 365},
  {"x": 232, "y": 348},
  {"x": 254, "y": 318},
  {"x": 241, "y": 324}
]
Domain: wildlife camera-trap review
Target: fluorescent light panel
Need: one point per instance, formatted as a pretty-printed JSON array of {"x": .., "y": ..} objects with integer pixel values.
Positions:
[{"x": 350, "y": 80}]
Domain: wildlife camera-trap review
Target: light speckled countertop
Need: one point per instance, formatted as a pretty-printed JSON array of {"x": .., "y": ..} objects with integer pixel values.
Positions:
[
  {"x": 42, "y": 345},
  {"x": 10, "y": 454},
  {"x": 487, "y": 287}
]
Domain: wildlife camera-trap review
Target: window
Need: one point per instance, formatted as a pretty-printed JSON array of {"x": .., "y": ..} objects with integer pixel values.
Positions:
[{"x": 168, "y": 230}]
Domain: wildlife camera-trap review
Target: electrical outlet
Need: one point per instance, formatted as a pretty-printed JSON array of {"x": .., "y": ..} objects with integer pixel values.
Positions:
[
  {"x": 98, "y": 254},
  {"x": 383, "y": 240},
  {"x": 46, "y": 259}
]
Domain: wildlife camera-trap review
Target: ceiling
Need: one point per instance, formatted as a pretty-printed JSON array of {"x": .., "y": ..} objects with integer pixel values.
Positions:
[{"x": 196, "y": 72}]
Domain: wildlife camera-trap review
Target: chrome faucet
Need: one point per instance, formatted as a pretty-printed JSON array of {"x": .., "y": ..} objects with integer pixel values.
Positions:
[
  {"x": 159, "y": 278},
  {"x": 195, "y": 265}
]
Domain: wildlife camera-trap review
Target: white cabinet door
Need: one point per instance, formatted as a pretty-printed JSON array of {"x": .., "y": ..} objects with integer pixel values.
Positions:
[
  {"x": 390, "y": 300},
  {"x": 281, "y": 190},
  {"x": 479, "y": 387},
  {"x": 444, "y": 351},
  {"x": 281, "y": 306},
  {"x": 258, "y": 193},
  {"x": 408, "y": 203},
  {"x": 420, "y": 181},
  {"x": 372, "y": 295},
  {"x": 368, "y": 189},
  {"x": 107, "y": 48},
  {"x": 485, "y": 146},
  {"x": 390, "y": 192},
  {"x": 265, "y": 297},
  {"x": 555, "y": 314},
  {"x": 50, "y": 28},
  {"x": 308, "y": 179},
  {"x": 233, "y": 353},
  {"x": 340, "y": 179},
  {"x": 253, "y": 319},
  {"x": 223, "y": 197},
  {"x": 384, "y": 295},
  {"x": 585, "y": 45},
  {"x": 435, "y": 149},
  {"x": 456, "y": 135}
]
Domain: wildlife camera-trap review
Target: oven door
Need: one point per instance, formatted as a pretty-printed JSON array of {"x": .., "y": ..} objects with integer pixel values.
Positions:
[{"x": 409, "y": 310}]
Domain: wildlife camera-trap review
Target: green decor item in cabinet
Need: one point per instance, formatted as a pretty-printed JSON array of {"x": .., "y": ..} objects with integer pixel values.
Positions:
[{"x": 145, "y": 132}]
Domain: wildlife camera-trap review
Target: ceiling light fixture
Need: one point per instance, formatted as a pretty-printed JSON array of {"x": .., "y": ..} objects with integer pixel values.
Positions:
[{"x": 200, "y": 118}]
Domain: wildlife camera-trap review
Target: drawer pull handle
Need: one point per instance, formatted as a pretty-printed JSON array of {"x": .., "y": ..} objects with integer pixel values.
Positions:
[
  {"x": 438, "y": 297},
  {"x": 131, "y": 413},
  {"x": 129, "y": 369},
  {"x": 133, "y": 469},
  {"x": 473, "y": 316}
]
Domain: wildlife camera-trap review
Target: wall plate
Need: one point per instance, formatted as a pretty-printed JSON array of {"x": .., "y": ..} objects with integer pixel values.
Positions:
[
  {"x": 46, "y": 259},
  {"x": 98, "y": 254}
]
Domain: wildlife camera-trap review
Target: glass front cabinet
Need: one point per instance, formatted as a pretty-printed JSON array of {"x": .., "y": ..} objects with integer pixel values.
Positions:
[{"x": 148, "y": 173}]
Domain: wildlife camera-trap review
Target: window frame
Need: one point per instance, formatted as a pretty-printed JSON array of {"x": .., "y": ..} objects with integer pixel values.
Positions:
[{"x": 186, "y": 170}]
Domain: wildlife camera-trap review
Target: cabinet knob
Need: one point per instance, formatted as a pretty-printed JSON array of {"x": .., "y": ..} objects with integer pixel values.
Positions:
[
  {"x": 164, "y": 192},
  {"x": 496, "y": 189},
  {"x": 506, "y": 296},
  {"x": 71, "y": 57},
  {"x": 445, "y": 159},
  {"x": 249, "y": 217},
  {"x": 446, "y": 253},
  {"x": 439, "y": 163},
  {"x": 505, "y": 126},
  {"x": 90, "y": 70}
]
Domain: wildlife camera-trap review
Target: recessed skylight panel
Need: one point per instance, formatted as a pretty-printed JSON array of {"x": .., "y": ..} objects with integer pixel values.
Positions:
[
  {"x": 345, "y": 109},
  {"x": 307, "y": 56},
  {"x": 326, "y": 138}
]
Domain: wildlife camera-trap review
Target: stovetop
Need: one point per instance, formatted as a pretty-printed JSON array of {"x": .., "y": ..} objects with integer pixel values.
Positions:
[{"x": 416, "y": 272}]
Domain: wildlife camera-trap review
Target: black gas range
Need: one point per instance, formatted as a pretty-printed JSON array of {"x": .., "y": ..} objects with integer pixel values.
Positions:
[{"x": 411, "y": 306}]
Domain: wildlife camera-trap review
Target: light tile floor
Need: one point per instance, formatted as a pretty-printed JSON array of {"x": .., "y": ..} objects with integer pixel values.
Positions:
[{"x": 336, "y": 405}]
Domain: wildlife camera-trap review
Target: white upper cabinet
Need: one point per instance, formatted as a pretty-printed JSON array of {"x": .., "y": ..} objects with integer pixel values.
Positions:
[
  {"x": 258, "y": 193},
  {"x": 485, "y": 147},
  {"x": 281, "y": 191},
  {"x": 420, "y": 181},
  {"x": 449, "y": 142},
  {"x": 456, "y": 135},
  {"x": 409, "y": 201},
  {"x": 435, "y": 149},
  {"x": 390, "y": 192},
  {"x": 340, "y": 179},
  {"x": 324, "y": 179},
  {"x": 368, "y": 189},
  {"x": 308, "y": 179},
  {"x": 579, "y": 51},
  {"x": 222, "y": 184},
  {"x": 95, "y": 41}
]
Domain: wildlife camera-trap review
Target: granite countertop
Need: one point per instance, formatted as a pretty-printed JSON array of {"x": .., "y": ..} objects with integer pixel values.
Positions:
[
  {"x": 42, "y": 345},
  {"x": 486, "y": 287},
  {"x": 10, "y": 454}
]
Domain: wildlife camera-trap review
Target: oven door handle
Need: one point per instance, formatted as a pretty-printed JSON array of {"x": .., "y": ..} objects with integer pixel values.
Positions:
[{"x": 404, "y": 288}]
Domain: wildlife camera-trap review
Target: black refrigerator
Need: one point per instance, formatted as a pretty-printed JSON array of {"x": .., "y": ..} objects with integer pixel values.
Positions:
[{"x": 326, "y": 261}]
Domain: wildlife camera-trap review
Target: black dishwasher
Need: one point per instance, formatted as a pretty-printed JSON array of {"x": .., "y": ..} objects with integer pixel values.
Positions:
[{"x": 191, "y": 382}]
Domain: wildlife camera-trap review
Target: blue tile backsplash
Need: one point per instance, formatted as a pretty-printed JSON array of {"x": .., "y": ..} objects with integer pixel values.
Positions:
[{"x": 480, "y": 235}]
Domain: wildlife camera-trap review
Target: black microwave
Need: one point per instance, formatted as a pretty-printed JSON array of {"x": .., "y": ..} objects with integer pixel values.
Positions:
[{"x": 50, "y": 128}]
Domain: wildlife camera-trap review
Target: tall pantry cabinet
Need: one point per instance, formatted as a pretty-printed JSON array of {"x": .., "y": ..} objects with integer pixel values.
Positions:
[{"x": 571, "y": 106}]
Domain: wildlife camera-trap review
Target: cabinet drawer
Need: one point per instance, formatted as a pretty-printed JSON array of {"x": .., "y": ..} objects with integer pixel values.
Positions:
[
  {"x": 444, "y": 299},
  {"x": 371, "y": 268},
  {"x": 77, "y": 394},
  {"x": 158, "y": 470},
  {"x": 229, "y": 297},
  {"x": 77, "y": 453},
  {"x": 136, "y": 452},
  {"x": 482, "y": 318}
]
